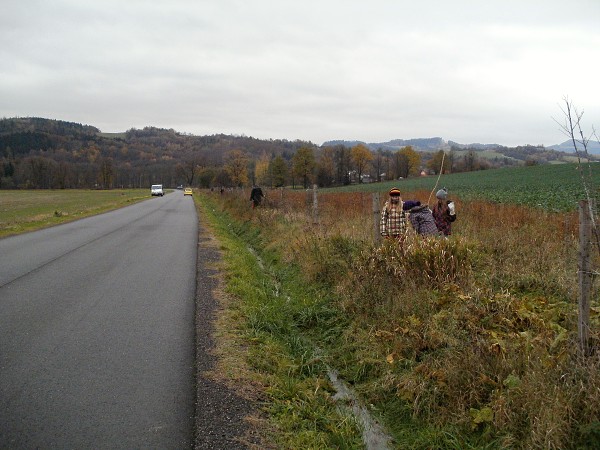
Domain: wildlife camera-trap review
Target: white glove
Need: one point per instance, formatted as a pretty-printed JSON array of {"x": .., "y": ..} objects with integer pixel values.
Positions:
[{"x": 451, "y": 208}]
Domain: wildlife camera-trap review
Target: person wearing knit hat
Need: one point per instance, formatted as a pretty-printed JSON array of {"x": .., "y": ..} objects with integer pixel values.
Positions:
[
  {"x": 444, "y": 212},
  {"x": 393, "y": 216}
]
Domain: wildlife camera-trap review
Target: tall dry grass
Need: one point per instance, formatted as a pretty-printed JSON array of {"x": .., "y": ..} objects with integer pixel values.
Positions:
[{"x": 477, "y": 331}]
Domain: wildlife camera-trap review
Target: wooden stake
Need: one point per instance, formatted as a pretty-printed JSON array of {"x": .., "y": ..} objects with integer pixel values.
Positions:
[
  {"x": 376, "y": 218},
  {"x": 585, "y": 277}
]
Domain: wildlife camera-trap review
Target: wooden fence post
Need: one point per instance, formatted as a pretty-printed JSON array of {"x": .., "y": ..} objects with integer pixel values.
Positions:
[
  {"x": 585, "y": 276},
  {"x": 315, "y": 206},
  {"x": 376, "y": 218}
]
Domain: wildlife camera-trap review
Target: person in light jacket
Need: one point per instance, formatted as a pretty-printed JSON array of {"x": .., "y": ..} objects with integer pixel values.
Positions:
[{"x": 393, "y": 217}]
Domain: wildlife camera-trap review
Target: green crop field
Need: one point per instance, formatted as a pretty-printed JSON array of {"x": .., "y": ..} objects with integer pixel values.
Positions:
[{"x": 553, "y": 187}]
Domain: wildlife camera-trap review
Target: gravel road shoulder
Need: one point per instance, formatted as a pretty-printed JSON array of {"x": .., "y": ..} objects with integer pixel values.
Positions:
[{"x": 226, "y": 409}]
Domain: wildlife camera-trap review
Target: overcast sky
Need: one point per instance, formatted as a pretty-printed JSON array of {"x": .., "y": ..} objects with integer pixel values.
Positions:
[{"x": 487, "y": 71}]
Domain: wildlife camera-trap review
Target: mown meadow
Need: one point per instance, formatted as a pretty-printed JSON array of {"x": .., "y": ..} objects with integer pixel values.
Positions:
[
  {"x": 466, "y": 342},
  {"x": 28, "y": 210}
]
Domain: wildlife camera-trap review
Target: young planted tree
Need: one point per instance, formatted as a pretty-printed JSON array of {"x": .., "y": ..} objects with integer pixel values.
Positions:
[
  {"x": 572, "y": 128},
  {"x": 588, "y": 227}
]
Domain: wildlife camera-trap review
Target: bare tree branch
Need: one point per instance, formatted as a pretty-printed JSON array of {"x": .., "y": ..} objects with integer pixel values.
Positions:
[{"x": 572, "y": 128}]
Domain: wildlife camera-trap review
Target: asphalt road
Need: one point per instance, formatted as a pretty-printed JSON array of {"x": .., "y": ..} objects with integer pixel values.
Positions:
[{"x": 97, "y": 338}]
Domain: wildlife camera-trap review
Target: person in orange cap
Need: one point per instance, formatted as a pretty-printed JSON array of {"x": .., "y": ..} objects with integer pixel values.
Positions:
[{"x": 393, "y": 216}]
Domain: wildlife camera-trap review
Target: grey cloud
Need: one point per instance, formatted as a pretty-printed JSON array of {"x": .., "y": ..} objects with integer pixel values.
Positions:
[{"x": 464, "y": 70}]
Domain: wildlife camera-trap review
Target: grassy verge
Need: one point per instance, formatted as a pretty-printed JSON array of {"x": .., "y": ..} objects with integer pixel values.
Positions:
[
  {"x": 22, "y": 211},
  {"x": 275, "y": 318},
  {"x": 462, "y": 343}
]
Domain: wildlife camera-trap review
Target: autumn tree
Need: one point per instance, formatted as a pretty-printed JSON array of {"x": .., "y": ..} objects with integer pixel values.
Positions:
[
  {"x": 261, "y": 169},
  {"x": 470, "y": 161},
  {"x": 378, "y": 164},
  {"x": 326, "y": 168},
  {"x": 435, "y": 163},
  {"x": 361, "y": 158},
  {"x": 408, "y": 162},
  {"x": 451, "y": 157},
  {"x": 221, "y": 178},
  {"x": 342, "y": 163},
  {"x": 304, "y": 164},
  {"x": 106, "y": 173},
  {"x": 206, "y": 176},
  {"x": 279, "y": 170},
  {"x": 236, "y": 165},
  {"x": 189, "y": 168}
]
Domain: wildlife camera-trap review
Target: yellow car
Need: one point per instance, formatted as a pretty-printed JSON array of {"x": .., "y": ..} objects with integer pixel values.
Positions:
[{"x": 187, "y": 191}]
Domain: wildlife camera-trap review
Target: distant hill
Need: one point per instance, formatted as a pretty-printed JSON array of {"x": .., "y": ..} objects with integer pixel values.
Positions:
[
  {"x": 421, "y": 144},
  {"x": 475, "y": 146},
  {"x": 567, "y": 146},
  {"x": 45, "y": 153},
  {"x": 523, "y": 153}
]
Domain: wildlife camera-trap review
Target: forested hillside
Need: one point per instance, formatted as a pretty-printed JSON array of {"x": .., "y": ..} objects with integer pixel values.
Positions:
[
  {"x": 37, "y": 153},
  {"x": 42, "y": 153}
]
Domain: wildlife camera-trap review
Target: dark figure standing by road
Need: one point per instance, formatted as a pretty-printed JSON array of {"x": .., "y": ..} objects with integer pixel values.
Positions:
[
  {"x": 444, "y": 212},
  {"x": 256, "y": 196}
]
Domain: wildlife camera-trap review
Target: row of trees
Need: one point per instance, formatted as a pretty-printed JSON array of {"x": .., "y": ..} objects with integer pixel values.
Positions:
[
  {"x": 46, "y": 154},
  {"x": 329, "y": 166},
  {"x": 337, "y": 165}
]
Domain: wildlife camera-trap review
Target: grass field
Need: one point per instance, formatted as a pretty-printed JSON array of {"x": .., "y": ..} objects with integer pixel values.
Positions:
[
  {"x": 553, "y": 187},
  {"x": 30, "y": 210}
]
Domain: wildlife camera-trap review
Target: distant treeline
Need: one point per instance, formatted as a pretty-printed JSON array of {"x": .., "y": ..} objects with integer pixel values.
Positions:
[{"x": 37, "y": 153}]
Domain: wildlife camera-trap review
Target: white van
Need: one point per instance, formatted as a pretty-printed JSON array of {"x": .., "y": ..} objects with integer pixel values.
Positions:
[{"x": 157, "y": 189}]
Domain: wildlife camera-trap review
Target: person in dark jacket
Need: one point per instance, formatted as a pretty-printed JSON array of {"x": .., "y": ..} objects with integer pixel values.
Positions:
[
  {"x": 421, "y": 219},
  {"x": 256, "y": 196},
  {"x": 444, "y": 212}
]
